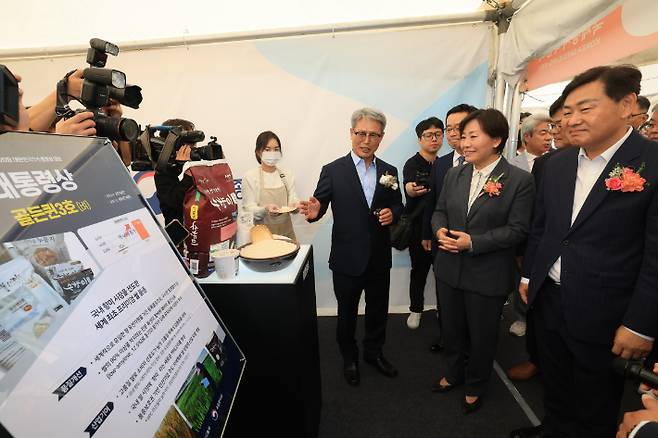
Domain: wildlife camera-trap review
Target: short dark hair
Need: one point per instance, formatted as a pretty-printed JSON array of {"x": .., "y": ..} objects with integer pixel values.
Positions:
[
  {"x": 262, "y": 140},
  {"x": 492, "y": 122},
  {"x": 461, "y": 108},
  {"x": 556, "y": 106},
  {"x": 643, "y": 103},
  {"x": 185, "y": 125},
  {"x": 426, "y": 124},
  {"x": 619, "y": 80}
]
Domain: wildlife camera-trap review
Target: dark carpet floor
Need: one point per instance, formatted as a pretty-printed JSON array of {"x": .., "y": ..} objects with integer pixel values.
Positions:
[{"x": 404, "y": 406}]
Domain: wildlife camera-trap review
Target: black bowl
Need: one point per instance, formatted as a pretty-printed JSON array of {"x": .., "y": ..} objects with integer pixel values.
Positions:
[{"x": 271, "y": 264}]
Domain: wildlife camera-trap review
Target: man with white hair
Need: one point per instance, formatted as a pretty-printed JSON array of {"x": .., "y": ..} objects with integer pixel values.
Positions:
[
  {"x": 536, "y": 137},
  {"x": 364, "y": 193}
]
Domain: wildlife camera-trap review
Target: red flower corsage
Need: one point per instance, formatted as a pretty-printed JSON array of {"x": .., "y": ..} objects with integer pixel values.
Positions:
[
  {"x": 492, "y": 187},
  {"x": 625, "y": 179}
]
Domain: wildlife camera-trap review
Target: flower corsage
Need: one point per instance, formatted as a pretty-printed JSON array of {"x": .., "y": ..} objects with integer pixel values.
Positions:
[
  {"x": 492, "y": 187},
  {"x": 389, "y": 181},
  {"x": 625, "y": 179}
]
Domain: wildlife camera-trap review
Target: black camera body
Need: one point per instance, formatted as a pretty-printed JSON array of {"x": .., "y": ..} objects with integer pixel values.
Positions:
[
  {"x": 153, "y": 151},
  {"x": 634, "y": 370},
  {"x": 101, "y": 86},
  {"x": 8, "y": 98},
  {"x": 422, "y": 178}
]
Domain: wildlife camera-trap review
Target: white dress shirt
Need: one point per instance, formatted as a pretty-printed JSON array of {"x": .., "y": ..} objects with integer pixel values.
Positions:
[
  {"x": 367, "y": 176},
  {"x": 478, "y": 180},
  {"x": 531, "y": 160}
]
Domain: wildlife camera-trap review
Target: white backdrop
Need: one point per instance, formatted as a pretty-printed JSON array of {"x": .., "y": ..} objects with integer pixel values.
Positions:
[{"x": 304, "y": 89}]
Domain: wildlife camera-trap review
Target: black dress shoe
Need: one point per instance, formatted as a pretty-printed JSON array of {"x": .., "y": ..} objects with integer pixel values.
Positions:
[
  {"x": 351, "y": 373},
  {"x": 469, "y": 408},
  {"x": 436, "y": 347},
  {"x": 528, "y": 432},
  {"x": 382, "y": 365}
]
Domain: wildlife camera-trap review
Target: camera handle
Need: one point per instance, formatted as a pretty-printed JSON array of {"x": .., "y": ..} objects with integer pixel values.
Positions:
[
  {"x": 63, "y": 110},
  {"x": 167, "y": 150}
]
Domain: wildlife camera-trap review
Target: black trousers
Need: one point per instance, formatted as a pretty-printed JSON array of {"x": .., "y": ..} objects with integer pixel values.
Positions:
[
  {"x": 582, "y": 394},
  {"x": 421, "y": 262},
  {"x": 375, "y": 282},
  {"x": 470, "y": 328},
  {"x": 531, "y": 338}
]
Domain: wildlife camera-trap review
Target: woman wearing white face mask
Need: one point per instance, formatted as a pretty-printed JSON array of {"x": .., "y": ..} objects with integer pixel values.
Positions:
[{"x": 268, "y": 188}]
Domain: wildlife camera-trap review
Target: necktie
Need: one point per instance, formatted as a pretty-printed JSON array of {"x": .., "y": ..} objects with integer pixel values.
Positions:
[
  {"x": 460, "y": 161},
  {"x": 475, "y": 190}
]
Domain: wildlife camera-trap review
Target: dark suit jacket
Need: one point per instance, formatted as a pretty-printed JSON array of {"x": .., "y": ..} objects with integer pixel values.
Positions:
[
  {"x": 648, "y": 430},
  {"x": 438, "y": 173},
  {"x": 496, "y": 225},
  {"x": 356, "y": 236},
  {"x": 540, "y": 162},
  {"x": 609, "y": 267}
]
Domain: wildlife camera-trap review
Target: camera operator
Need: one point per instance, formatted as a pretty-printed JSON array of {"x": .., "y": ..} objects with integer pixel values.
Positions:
[
  {"x": 644, "y": 422},
  {"x": 169, "y": 190},
  {"x": 42, "y": 116}
]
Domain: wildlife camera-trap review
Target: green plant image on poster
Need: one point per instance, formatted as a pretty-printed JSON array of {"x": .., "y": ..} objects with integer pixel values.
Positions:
[{"x": 195, "y": 400}]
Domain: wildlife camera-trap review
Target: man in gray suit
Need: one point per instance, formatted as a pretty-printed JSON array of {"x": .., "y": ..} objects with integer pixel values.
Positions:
[{"x": 537, "y": 139}]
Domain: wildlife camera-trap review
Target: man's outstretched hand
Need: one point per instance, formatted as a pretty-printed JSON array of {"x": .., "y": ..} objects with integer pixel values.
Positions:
[{"x": 310, "y": 208}]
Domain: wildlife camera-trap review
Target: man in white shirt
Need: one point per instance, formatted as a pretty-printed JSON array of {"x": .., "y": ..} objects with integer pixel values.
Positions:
[{"x": 592, "y": 255}]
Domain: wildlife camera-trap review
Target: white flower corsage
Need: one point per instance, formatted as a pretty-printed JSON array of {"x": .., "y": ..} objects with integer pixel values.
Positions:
[{"x": 389, "y": 181}]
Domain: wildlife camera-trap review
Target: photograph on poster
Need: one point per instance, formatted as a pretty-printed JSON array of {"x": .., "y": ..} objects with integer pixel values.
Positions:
[
  {"x": 119, "y": 236},
  {"x": 40, "y": 278},
  {"x": 195, "y": 397},
  {"x": 173, "y": 424}
]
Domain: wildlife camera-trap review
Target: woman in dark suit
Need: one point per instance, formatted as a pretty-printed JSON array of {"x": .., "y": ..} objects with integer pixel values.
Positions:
[{"x": 483, "y": 213}]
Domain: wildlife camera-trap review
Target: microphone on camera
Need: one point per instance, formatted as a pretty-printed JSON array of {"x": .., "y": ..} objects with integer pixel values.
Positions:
[{"x": 633, "y": 369}]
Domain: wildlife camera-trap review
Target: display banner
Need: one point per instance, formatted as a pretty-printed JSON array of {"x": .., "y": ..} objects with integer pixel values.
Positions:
[
  {"x": 629, "y": 29},
  {"x": 103, "y": 332}
]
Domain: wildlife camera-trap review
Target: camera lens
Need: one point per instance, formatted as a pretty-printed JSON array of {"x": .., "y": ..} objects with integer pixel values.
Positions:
[
  {"x": 129, "y": 129},
  {"x": 114, "y": 128}
]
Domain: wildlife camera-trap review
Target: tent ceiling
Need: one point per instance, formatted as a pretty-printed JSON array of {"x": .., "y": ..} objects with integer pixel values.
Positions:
[{"x": 38, "y": 24}]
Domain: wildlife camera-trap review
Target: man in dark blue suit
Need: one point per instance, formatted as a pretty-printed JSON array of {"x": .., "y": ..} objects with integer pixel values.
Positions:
[
  {"x": 365, "y": 198},
  {"x": 592, "y": 255},
  {"x": 440, "y": 167}
]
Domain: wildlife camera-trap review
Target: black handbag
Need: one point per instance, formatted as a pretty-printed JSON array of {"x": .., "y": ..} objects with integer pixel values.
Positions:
[{"x": 402, "y": 230}]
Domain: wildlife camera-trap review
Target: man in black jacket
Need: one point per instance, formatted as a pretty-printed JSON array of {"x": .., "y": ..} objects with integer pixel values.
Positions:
[
  {"x": 365, "y": 198},
  {"x": 169, "y": 189},
  {"x": 416, "y": 183}
]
